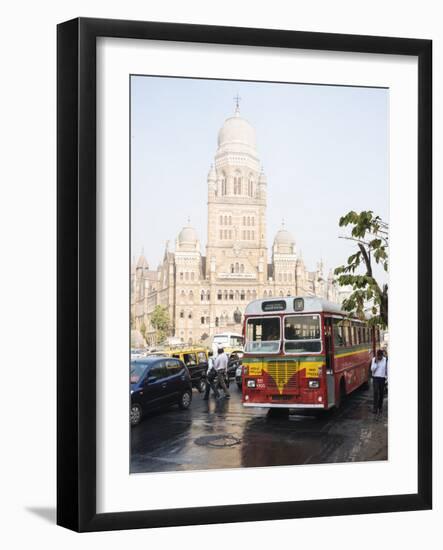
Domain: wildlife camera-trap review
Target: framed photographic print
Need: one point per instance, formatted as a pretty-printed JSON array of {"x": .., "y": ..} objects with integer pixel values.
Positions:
[{"x": 244, "y": 274}]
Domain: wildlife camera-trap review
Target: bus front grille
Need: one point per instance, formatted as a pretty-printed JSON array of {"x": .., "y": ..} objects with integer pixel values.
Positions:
[{"x": 282, "y": 374}]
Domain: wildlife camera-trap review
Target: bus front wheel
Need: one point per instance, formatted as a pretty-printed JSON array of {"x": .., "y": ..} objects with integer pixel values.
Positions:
[{"x": 341, "y": 394}]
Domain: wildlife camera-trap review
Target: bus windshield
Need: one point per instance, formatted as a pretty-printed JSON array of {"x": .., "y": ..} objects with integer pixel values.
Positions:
[
  {"x": 302, "y": 334},
  {"x": 263, "y": 335}
]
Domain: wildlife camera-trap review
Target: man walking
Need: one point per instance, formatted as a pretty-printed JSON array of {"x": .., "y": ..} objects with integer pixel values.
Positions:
[
  {"x": 221, "y": 367},
  {"x": 379, "y": 369},
  {"x": 211, "y": 377}
]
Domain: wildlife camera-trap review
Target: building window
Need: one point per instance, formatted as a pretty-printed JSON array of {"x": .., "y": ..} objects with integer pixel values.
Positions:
[
  {"x": 202, "y": 296},
  {"x": 225, "y": 220},
  {"x": 216, "y": 321},
  {"x": 187, "y": 276},
  {"x": 190, "y": 315},
  {"x": 208, "y": 295},
  {"x": 237, "y": 267},
  {"x": 223, "y": 186},
  {"x": 182, "y": 314},
  {"x": 231, "y": 294},
  {"x": 242, "y": 268},
  {"x": 192, "y": 276},
  {"x": 242, "y": 295},
  {"x": 226, "y": 294},
  {"x": 202, "y": 320},
  {"x": 230, "y": 233},
  {"x": 230, "y": 220},
  {"x": 221, "y": 234},
  {"x": 219, "y": 295},
  {"x": 221, "y": 220},
  {"x": 232, "y": 268}
]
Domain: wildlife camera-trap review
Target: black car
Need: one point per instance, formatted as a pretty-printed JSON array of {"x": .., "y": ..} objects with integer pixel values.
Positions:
[{"x": 157, "y": 382}]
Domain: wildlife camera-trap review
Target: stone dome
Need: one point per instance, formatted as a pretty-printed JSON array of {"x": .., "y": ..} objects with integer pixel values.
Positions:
[
  {"x": 188, "y": 235},
  {"x": 284, "y": 237},
  {"x": 237, "y": 130}
]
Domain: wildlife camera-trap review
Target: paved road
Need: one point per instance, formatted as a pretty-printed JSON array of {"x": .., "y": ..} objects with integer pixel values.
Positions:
[{"x": 223, "y": 434}]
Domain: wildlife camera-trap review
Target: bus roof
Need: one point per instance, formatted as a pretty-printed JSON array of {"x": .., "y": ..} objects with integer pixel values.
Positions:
[
  {"x": 285, "y": 304},
  {"x": 228, "y": 334}
]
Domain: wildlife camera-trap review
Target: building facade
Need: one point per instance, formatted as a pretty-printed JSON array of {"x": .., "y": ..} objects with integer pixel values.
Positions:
[{"x": 205, "y": 293}]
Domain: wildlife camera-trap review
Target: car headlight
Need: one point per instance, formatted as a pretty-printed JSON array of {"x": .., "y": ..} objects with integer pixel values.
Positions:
[
  {"x": 251, "y": 383},
  {"x": 314, "y": 383}
]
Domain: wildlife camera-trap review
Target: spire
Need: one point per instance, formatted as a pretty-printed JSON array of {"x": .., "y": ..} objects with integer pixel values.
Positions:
[{"x": 237, "y": 100}]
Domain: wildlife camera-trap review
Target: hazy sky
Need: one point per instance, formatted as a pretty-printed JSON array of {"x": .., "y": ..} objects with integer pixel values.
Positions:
[{"x": 324, "y": 150}]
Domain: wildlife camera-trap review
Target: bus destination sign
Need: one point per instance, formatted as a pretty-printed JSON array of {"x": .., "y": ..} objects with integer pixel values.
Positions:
[{"x": 276, "y": 305}]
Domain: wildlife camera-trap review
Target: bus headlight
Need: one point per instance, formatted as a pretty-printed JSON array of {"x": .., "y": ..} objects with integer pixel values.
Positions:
[
  {"x": 314, "y": 383},
  {"x": 250, "y": 383}
]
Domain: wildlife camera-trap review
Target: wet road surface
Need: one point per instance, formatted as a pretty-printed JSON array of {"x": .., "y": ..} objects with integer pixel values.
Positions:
[{"x": 223, "y": 434}]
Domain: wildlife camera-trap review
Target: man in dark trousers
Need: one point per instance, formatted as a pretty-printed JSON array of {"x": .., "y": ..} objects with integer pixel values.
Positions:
[
  {"x": 379, "y": 369},
  {"x": 211, "y": 378},
  {"x": 221, "y": 366}
]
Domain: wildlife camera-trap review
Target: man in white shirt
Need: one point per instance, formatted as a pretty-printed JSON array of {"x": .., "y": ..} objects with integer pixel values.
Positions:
[
  {"x": 221, "y": 367},
  {"x": 379, "y": 369}
]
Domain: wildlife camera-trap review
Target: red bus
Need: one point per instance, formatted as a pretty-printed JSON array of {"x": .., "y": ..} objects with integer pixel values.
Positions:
[{"x": 303, "y": 352}]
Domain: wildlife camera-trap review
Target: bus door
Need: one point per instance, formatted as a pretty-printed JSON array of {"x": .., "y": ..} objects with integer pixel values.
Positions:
[{"x": 329, "y": 357}]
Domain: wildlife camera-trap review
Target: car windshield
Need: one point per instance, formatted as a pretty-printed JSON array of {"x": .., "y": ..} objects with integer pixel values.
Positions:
[
  {"x": 263, "y": 335},
  {"x": 302, "y": 334},
  {"x": 137, "y": 371}
]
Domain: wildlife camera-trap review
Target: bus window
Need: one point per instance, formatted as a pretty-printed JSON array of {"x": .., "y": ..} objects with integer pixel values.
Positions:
[
  {"x": 302, "y": 334},
  {"x": 338, "y": 333},
  {"x": 236, "y": 341},
  {"x": 263, "y": 335}
]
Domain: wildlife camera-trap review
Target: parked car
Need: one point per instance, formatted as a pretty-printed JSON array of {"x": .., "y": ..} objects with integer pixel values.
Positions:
[
  {"x": 158, "y": 382},
  {"x": 195, "y": 359}
]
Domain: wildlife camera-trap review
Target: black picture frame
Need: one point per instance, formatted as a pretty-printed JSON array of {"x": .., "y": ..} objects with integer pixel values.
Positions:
[{"x": 76, "y": 266}]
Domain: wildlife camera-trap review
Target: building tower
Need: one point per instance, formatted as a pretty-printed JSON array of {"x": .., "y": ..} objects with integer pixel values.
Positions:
[{"x": 236, "y": 245}]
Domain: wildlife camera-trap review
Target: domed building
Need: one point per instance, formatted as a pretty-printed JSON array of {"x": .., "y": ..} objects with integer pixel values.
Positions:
[{"x": 206, "y": 292}]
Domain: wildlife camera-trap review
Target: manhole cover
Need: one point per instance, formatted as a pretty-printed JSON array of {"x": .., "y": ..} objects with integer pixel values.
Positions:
[{"x": 217, "y": 441}]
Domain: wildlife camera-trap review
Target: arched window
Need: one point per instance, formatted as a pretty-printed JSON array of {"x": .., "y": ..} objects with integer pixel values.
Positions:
[
  {"x": 202, "y": 296},
  {"x": 226, "y": 220},
  {"x": 265, "y": 294},
  {"x": 223, "y": 186},
  {"x": 181, "y": 275},
  {"x": 270, "y": 293},
  {"x": 187, "y": 276},
  {"x": 219, "y": 295},
  {"x": 207, "y": 320},
  {"x": 202, "y": 320},
  {"x": 281, "y": 293},
  {"x": 237, "y": 295},
  {"x": 216, "y": 321},
  {"x": 248, "y": 294},
  {"x": 190, "y": 315},
  {"x": 232, "y": 268},
  {"x": 251, "y": 187},
  {"x": 231, "y": 294},
  {"x": 242, "y": 268},
  {"x": 208, "y": 295},
  {"x": 226, "y": 294},
  {"x": 254, "y": 294},
  {"x": 182, "y": 314},
  {"x": 192, "y": 275},
  {"x": 191, "y": 296},
  {"x": 237, "y": 267},
  {"x": 242, "y": 295},
  {"x": 221, "y": 220},
  {"x": 230, "y": 220},
  {"x": 237, "y": 185}
]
